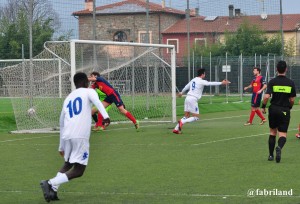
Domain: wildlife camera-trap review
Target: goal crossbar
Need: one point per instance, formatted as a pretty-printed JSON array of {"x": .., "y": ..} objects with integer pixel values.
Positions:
[{"x": 173, "y": 61}]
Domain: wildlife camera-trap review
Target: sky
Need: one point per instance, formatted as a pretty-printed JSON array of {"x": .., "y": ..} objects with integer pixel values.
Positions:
[{"x": 64, "y": 8}]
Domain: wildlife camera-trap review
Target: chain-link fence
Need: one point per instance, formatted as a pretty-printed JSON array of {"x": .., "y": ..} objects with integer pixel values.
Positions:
[
  {"x": 238, "y": 70},
  {"x": 244, "y": 31}
]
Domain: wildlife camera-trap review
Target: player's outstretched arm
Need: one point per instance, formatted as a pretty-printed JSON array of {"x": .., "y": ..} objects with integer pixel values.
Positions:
[{"x": 225, "y": 81}]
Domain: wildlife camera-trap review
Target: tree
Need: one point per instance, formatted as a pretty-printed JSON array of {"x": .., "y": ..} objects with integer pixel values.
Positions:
[
  {"x": 248, "y": 40},
  {"x": 14, "y": 27},
  {"x": 289, "y": 48},
  {"x": 215, "y": 49}
]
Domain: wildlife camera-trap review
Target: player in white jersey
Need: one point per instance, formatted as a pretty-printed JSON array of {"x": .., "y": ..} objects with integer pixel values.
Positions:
[
  {"x": 75, "y": 130},
  {"x": 195, "y": 88}
]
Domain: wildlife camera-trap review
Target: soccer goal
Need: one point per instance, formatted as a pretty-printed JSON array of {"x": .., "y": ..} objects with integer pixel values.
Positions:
[{"x": 143, "y": 74}]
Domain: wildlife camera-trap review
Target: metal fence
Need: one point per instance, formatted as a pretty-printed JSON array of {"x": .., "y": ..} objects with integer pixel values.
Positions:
[{"x": 237, "y": 69}]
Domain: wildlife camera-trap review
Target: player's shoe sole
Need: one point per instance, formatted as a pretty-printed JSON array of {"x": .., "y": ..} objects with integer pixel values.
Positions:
[
  {"x": 298, "y": 135},
  {"x": 263, "y": 121},
  {"x": 176, "y": 132},
  {"x": 46, "y": 190},
  {"x": 247, "y": 123},
  {"x": 278, "y": 154}
]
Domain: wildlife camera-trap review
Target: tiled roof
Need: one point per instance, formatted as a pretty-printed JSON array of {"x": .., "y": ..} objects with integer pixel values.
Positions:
[
  {"x": 224, "y": 23},
  {"x": 130, "y": 6}
]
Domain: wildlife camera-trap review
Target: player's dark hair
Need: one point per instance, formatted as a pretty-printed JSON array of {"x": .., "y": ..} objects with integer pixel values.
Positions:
[
  {"x": 257, "y": 68},
  {"x": 96, "y": 74},
  {"x": 80, "y": 80},
  {"x": 200, "y": 71},
  {"x": 281, "y": 67}
]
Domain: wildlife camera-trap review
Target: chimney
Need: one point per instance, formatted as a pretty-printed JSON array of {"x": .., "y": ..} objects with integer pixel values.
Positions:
[
  {"x": 231, "y": 11},
  {"x": 237, "y": 12},
  {"x": 163, "y": 4},
  {"x": 194, "y": 12},
  {"x": 89, "y": 4}
]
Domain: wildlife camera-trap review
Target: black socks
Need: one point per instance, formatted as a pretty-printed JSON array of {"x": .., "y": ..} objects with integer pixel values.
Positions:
[
  {"x": 281, "y": 141},
  {"x": 272, "y": 142},
  {"x": 95, "y": 118}
]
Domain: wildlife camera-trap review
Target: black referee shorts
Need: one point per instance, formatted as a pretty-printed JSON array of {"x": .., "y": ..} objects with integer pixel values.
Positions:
[{"x": 279, "y": 117}]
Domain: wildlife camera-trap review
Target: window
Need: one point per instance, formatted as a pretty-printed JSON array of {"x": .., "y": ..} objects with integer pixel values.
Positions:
[
  {"x": 173, "y": 42},
  {"x": 200, "y": 42},
  {"x": 143, "y": 37},
  {"x": 120, "y": 36}
]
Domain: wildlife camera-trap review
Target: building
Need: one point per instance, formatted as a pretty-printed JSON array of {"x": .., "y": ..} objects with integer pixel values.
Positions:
[
  {"x": 204, "y": 30},
  {"x": 127, "y": 21}
]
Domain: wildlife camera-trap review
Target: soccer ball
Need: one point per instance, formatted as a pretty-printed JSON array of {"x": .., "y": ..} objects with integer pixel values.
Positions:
[{"x": 31, "y": 112}]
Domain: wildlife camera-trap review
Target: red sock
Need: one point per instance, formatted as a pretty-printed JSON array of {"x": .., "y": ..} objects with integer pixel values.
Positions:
[
  {"x": 130, "y": 117},
  {"x": 100, "y": 119},
  {"x": 252, "y": 114},
  {"x": 258, "y": 112}
]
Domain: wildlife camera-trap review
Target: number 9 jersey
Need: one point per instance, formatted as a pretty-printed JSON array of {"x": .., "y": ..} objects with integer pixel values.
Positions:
[{"x": 196, "y": 86}]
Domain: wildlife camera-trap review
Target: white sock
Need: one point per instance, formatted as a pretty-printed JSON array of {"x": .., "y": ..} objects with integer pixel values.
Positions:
[
  {"x": 58, "y": 179},
  {"x": 55, "y": 187},
  {"x": 190, "y": 119},
  {"x": 176, "y": 127},
  {"x": 182, "y": 120}
]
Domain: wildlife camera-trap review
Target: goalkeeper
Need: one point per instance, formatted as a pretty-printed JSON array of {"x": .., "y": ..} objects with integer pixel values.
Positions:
[
  {"x": 98, "y": 118},
  {"x": 112, "y": 96}
]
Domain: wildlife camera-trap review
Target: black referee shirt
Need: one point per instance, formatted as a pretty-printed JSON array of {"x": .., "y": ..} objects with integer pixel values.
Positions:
[{"x": 281, "y": 89}]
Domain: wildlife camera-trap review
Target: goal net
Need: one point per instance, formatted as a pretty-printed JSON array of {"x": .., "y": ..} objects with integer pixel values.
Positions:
[{"x": 143, "y": 74}]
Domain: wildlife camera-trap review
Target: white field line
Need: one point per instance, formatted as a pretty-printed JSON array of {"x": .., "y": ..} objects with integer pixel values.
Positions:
[
  {"x": 232, "y": 138},
  {"x": 28, "y": 138},
  {"x": 210, "y": 119},
  {"x": 224, "y": 196}
]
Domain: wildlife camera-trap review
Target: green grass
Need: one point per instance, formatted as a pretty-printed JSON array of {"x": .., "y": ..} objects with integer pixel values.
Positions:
[{"x": 215, "y": 160}]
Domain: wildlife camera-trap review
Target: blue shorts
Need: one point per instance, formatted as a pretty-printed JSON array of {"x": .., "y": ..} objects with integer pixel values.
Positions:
[
  {"x": 256, "y": 99},
  {"x": 114, "y": 98}
]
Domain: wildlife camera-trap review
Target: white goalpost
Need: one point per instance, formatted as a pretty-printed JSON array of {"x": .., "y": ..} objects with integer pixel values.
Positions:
[{"x": 143, "y": 74}]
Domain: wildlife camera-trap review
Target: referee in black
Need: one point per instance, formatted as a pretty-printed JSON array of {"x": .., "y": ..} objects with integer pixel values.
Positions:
[{"x": 283, "y": 92}]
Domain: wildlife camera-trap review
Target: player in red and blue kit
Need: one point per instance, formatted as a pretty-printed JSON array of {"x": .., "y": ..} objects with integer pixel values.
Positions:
[
  {"x": 112, "y": 96},
  {"x": 258, "y": 84}
]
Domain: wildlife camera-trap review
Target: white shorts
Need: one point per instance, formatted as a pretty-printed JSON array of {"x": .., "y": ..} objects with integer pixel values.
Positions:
[
  {"x": 77, "y": 151},
  {"x": 191, "y": 105}
]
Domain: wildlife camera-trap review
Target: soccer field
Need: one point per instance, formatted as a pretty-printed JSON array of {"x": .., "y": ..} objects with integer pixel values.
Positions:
[{"x": 215, "y": 160}]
